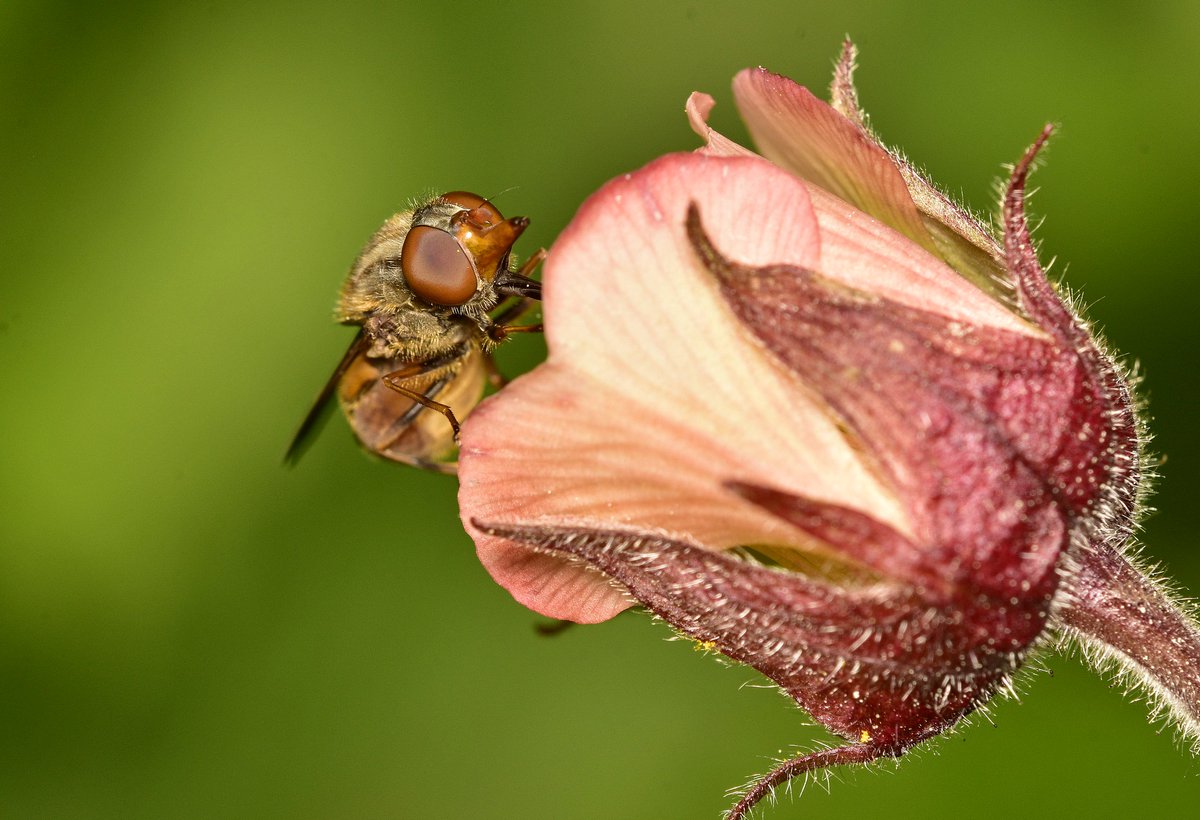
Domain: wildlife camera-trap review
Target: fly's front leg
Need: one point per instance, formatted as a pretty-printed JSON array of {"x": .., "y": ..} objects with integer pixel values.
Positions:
[
  {"x": 500, "y": 328},
  {"x": 502, "y": 325},
  {"x": 514, "y": 311},
  {"x": 499, "y": 332},
  {"x": 528, "y": 292},
  {"x": 535, "y": 259}
]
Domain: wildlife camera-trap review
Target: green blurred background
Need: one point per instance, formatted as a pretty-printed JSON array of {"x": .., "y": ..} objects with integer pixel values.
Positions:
[{"x": 189, "y": 630}]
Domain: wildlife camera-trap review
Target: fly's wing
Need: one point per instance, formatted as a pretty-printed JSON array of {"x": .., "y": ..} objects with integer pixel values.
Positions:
[{"x": 323, "y": 406}]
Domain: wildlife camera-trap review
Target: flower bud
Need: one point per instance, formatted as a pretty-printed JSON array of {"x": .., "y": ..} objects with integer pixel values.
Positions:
[{"x": 811, "y": 413}]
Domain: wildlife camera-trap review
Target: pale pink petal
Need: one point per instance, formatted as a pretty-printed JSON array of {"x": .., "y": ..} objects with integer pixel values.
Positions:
[
  {"x": 654, "y": 396},
  {"x": 859, "y": 251},
  {"x": 716, "y": 144},
  {"x": 797, "y": 131}
]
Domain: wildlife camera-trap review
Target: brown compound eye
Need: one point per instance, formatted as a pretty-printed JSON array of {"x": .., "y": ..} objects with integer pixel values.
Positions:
[
  {"x": 482, "y": 212},
  {"x": 437, "y": 268}
]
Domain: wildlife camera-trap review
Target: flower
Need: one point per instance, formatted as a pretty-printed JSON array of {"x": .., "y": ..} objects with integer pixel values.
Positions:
[{"x": 810, "y": 412}]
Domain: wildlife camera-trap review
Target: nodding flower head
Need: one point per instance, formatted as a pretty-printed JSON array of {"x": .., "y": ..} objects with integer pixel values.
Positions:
[{"x": 809, "y": 411}]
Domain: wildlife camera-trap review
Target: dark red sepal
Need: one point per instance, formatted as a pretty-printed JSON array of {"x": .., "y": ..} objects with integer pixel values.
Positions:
[{"x": 876, "y": 661}]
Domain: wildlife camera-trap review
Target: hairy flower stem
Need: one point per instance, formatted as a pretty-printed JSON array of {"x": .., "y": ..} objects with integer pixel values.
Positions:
[
  {"x": 1117, "y": 611},
  {"x": 802, "y": 765}
]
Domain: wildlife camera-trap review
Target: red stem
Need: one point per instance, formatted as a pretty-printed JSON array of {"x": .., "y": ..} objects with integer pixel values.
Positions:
[
  {"x": 1111, "y": 605},
  {"x": 814, "y": 761}
]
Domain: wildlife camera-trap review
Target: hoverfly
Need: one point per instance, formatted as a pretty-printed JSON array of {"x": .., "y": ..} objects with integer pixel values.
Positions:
[{"x": 422, "y": 292}]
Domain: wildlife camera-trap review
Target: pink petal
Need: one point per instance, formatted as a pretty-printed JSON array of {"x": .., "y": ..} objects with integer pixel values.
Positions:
[
  {"x": 803, "y": 134},
  {"x": 654, "y": 396},
  {"x": 864, "y": 254},
  {"x": 716, "y": 144}
]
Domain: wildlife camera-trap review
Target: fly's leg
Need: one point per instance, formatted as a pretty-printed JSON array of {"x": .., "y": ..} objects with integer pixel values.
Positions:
[
  {"x": 412, "y": 383},
  {"x": 535, "y": 259},
  {"x": 528, "y": 293},
  {"x": 395, "y": 382},
  {"x": 499, "y": 332},
  {"x": 503, "y": 324},
  {"x": 514, "y": 311},
  {"x": 495, "y": 378},
  {"x": 549, "y": 629}
]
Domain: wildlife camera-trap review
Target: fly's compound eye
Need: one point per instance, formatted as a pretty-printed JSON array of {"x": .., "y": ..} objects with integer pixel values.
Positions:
[
  {"x": 481, "y": 212},
  {"x": 437, "y": 268}
]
